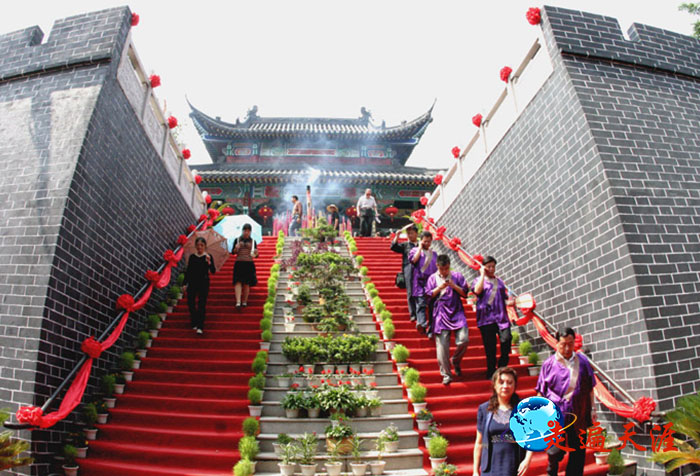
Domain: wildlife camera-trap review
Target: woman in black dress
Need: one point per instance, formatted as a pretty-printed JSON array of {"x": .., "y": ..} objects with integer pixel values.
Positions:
[
  {"x": 245, "y": 249},
  {"x": 495, "y": 451},
  {"x": 199, "y": 266}
]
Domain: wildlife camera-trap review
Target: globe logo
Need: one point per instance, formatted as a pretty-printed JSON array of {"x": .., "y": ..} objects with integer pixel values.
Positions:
[{"x": 530, "y": 422}]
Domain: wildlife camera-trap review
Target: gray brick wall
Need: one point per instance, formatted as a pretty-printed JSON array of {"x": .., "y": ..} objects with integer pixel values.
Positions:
[
  {"x": 590, "y": 202},
  {"x": 87, "y": 206}
]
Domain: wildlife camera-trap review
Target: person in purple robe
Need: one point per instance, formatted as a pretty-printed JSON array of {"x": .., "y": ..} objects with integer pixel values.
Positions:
[
  {"x": 567, "y": 379},
  {"x": 424, "y": 262},
  {"x": 447, "y": 288},
  {"x": 491, "y": 315}
]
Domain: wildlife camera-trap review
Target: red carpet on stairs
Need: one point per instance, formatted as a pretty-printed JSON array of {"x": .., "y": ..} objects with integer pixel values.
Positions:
[
  {"x": 182, "y": 413},
  {"x": 453, "y": 407}
]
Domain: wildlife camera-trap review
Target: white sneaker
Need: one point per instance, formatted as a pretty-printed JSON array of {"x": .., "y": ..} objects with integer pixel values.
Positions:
[{"x": 200, "y": 331}]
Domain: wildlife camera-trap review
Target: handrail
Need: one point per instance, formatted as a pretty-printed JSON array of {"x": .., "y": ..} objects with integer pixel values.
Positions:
[{"x": 108, "y": 329}]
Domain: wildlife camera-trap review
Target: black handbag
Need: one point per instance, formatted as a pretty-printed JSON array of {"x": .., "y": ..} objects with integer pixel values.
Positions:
[{"x": 400, "y": 280}]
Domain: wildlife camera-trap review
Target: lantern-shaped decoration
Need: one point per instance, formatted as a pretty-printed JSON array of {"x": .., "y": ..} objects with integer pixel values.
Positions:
[
  {"x": 351, "y": 212},
  {"x": 265, "y": 212},
  {"x": 391, "y": 211}
]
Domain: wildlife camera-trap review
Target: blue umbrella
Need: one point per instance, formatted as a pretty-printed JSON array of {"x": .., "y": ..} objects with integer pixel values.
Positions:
[{"x": 231, "y": 227}]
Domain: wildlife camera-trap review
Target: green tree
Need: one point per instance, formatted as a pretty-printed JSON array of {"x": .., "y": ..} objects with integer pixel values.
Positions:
[
  {"x": 693, "y": 9},
  {"x": 11, "y": 448}
]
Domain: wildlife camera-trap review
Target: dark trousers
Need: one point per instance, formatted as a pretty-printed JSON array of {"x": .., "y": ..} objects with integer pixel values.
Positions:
[
  {"x": 421, "y": 311},
  {"x": 197, "y": 302},
  {"x": 366, "y": 225},
  {"x": 489, "y": 334},
  {"x": 294, "y": 225},
  {"x": 577, "y": 458},
  {"x": 411, "y": 306}
]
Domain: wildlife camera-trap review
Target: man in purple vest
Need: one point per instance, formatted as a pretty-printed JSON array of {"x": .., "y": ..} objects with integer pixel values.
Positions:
[
  {"x": 424, "y": 262},
  {"x": 567, "y": 379}
]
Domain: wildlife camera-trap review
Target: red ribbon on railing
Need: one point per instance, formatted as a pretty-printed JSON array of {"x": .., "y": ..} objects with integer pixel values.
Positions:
[
  {"x": 90, "y": 346},
  {"x": 641, "y": 411}
]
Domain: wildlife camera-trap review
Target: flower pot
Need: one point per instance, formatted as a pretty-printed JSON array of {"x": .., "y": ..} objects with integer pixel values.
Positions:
[
  {"x": 601, "y": 458},
  {"x": 309, "y": 368},
  {"x": 301, "y": 381},
  {"x": 334, "y": 469},
  {"x": 287, "y": 469},
  {"x": 376, "y": 411},
  {"x": 264, "y": 345},
  {"x": 292, "y": 368},
  {"x": 419, "y": 406},
  {"x": 70, "y": 470},
  {"x": 534, "y": 370},
  {"x": 367, "y": 367},
  {"x": 409, "y": 393},
  {"x": 141, "y": 353},
  {"x": 361, "y": 412},
  {"x": 358, "y": 469},
  {"x": 149, "y": 343},
  {"x": 368, "y": 379},
  {"x": 289, "y": 327},
  {"x": 255, "y": 410},
  {"x": 435, "y": 462},
  {"x": 136, "y": 364},
  {"x": 308, "y": 469},
  {"x": 128, "y": 375},
  {"x": 313, "y": 412},
  {"x": 354, "y": 368},
  {"x": 377, "y": 467},
  {"x": 170, "y": 310},
  {"x": 110, "y": 401},
  {"x": 90, "y": 433},
  {"x": 119, "y": 388},
  {"x": 162, "y": 315},
  {"x": 423, "y": 425},
  {"x": 179, "y": 296},
  {"x": 82, "y": 452},
  {"x": 102, "y": 418},
  {"x": 391, "y": 446},
  {"x": 154, "y": 333},
  {"x": 523, "y": 360},
  {"x": 389, "y": 345},
  {"x": 284, "y": 382},
  {"x": 401, "y": 365},
  {"x": 292, "y": 413},
  {"x": 276, "y": 448}
]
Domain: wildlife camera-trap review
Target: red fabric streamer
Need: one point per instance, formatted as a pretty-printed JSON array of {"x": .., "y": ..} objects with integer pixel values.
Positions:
[
  {"x": 578, "y": 342},
  {"x": 418, "y": 216},
  {"x": 135, "y": 19},
  {"x": 181, "y": 240},
  {"x": 439, "y": 233},
  {"x": 91, "y": 347},
  {"x": 456, "y": 152},
  {"x": 169, "y": 257},
  {"x": 641, "y": 411},
  {"x": 186, "y": 154},
  {"x": 455, "y": 243},
  {"x": 197, "y": 179},
  {"x": 424, "y": 200},
  {"x": 505, "y": 73},
  {"x": 476, "y": 120},
  {"x": 172, "y": 122},
  {"x": 473, "y": 263},
  {"x": 438, "y": 179},
  {"x": 155, "y": 80},
  {"x": 533, "y": 16}
]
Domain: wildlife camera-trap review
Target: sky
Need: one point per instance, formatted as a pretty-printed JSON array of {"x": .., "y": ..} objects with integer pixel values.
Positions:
[{"x": 329, "y": 58}]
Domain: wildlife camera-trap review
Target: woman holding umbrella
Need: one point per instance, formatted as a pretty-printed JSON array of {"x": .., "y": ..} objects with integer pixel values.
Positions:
[{"x": 244, "y": 249}]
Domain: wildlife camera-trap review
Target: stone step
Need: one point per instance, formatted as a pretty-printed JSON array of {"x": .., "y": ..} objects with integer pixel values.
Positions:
[
  {"x": 404, "y": 459},
  {"x": 277, "y": 425},
  {"x": 322, "y": 472},
  {"x": 275, "y": 355},
  {"x": 277, "y": 364},
  {"x": 407, "y": 440},
  {"x": 273, "y": 408},
  {"x": 272, "y": 384}
]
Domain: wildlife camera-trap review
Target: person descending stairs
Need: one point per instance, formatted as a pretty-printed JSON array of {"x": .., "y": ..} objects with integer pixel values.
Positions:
[
  {"x": 182, "y": 413},
  {"x": 454, "y": 407}
]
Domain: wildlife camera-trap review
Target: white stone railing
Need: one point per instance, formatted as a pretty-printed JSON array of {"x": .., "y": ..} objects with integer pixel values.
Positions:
[
  {"x": 136, "y": 85},
  {"x": 525, "y": 82}
]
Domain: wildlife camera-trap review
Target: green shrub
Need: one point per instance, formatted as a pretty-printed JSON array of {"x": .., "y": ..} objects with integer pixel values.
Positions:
[
  {"x": 525, "y": 348},
  {"x": 259, "y": 365},
  {"x": 411, "y": 377},
  {"x": 243, "y": 468},
  {"x": 359, "y": 259},
  {"x": 267, "y": 314},
  {"x": 251, "y": 426},
  {"x": 174, "y": 292},
  {"x": 385, "y": 314},
  {"x": 266, "y": 335},
  {"x": 180, "y": 279},
  {"x": 248, "y": 447},
  {"x": 373, "y": 293},
  {"x": 108, "y": 382},
  {"x": 154, "y": 321},
  {"x": 254, "y": 396},
  {"x": 142, "y": 339},
  {"x": 438, "y": 447},
  {"x": 257, "y": 381},
  {"x": 418, "y": 393},
  {"x": 616, "y": 463},
  {"x": 389, "y": 329},
  {"x": 126, "y": 361},
  {"x": 400, "y": 353},
  {"x": 261, "y": 354},
  {"x": 162, "y": 307},
  {"x": 265, "y": 324},
  {"x": 370, "y": 286},
  {"x": 364, "y": 270},
  {"x": 533, "y": 358},
  {"x": 70, "y": 453},
  {"x": 516, "y": 337},
  {"x": 90, "y": 414}
]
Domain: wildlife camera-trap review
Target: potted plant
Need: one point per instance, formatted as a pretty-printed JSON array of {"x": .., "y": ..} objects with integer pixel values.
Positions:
[
  {"x": 126, "y": 364},
  {"x": 375, "y": 407},
  {"x": 333, "y": 464},
  {"x": 292, "y": 403},
  {"x": 266, "y": 336},
  {"x": 445, "y": 469},
  {"x": 438, "y": 451},
  {"x": 77, "y": 439},
  {"x": 389, "y": 330},
  {"x": 390, "y": 437},
  {"x": 288, "y": 456},
  {"x": 312, "y": 403},
  {"x": 410, "y": 377},
  {"x": 284, "y": 380},
  {"x": 400, "y": 354},
  {"x": 308, "y": 446},
  {"x": 119, "y": 383},
  {"x": 282, "y": 439},
  {"x": 162, "y": 309},
  {"x": 534, "y": 361},
  {"x": 175, "y": 294},
  {"x": 254, "y": 398},
  {"x": 143, "y": 342},
  {"x": 90, "y": 416},
  {"x": 433, "y": 431},
  {"x": 524, "y": 348},
  {"x": 616, "y": 463},
  {"x": 423, "y": 419},
  {"x": 303, "y": 297},
  {"x": 248, "y": 448},
  {"x": 289, "y": 323},
  {"x": 377, "y": 467},
  {"x": 154, "y": 323},
  {"x": 244, "y": 468},
  {"x": 358, "y": 467},
  {"x": 362, "y": 408},
  {"x": 108, "y": 383},
  {"x": 418, "y": 393},
  {"x": 102, "y": 413},
  {"x": 515, "y": 335},
  {"x": 70, "y": 466},
  {"x": 338, "y": 436}
]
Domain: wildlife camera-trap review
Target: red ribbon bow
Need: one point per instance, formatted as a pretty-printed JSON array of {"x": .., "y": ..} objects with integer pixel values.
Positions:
[
  {"x": 533, "y": 16},
  {"x": 424, "y": 200},
  {"x": 186, "y": 154},
  {"x": 643, "y": 408},
  {"x": 440, "y": 233},
  {"x": 213, "y": 213},
  {"x": 418, "y": 215},
  {"x": 152, "y": 276},
  {"x": 476, "y": 120},
  {"x": 32, "y": 415},
  {"x": 578, "y": 342},
  {"x": 456, "y": 152},
  {"x": 181, "y": 240},
  {"x": 228, "y": 211},
  {"x": 455, "y": 243},
  {"x": 126, "y": 302},
  {"x": 134, "y": 19},
  {"x": 203, "y": 217},
  {"x": 155, "y": 80},
  {"x": 172, "y": 122},
  {"x": 169, "y": 256},
  {"x": 438, "y": 179},
  {"x": 473, "y": 264},
  {"x": 505, "y": 73},
  {"x": 191, "y": 228},
  {"x": 91, "y": 347},
  {"x": 197, "y": 179}
]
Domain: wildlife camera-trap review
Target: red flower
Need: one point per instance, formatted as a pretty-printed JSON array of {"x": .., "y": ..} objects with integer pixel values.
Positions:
[
  {"x": 207, "y": 199},
  {"x": 155, "y": 80},
  {"x": 126, "y": 302},
  {"x": 348, "y": 382},
  {"x": 172, "y": 122},
  {"x": 533, "y": 16},
  {"x": 424, "y": 200},
  {"x": 301, "y": 368},
  {"x": 476, "y": 120},
  {"x": 314, "y": 386},
  {"x": 438, "y": 179},
  {"x": 197, "y": 179},
  {"x": 186, "y": 154},
  {"x": 373, "y": 384},
  {"x": 91, "y": 347},
  {"x": 181, "y": 240},
  {"x": 505, "y": 73},
  {"x": 454, "y": 243},
  {"x": 456, "y": 152},
  {"x": 295, "y": 386},
  {"x": 228, "y": 211},
  {"x": 310, "y": 370},
  {"x": 134, "y": 19},
  {"x": 152, "y": 276},
  {"x": 32, "y": 415},
  {"x": 191, "y": 228},
  {"x": 323, "y": 381}
]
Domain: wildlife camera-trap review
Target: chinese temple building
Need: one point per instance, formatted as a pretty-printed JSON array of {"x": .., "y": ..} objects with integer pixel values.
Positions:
[{"x": 260, "y": 162}]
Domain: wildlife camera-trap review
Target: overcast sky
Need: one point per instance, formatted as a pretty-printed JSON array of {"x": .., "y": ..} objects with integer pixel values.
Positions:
[{"x": 329, "y": 58}]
